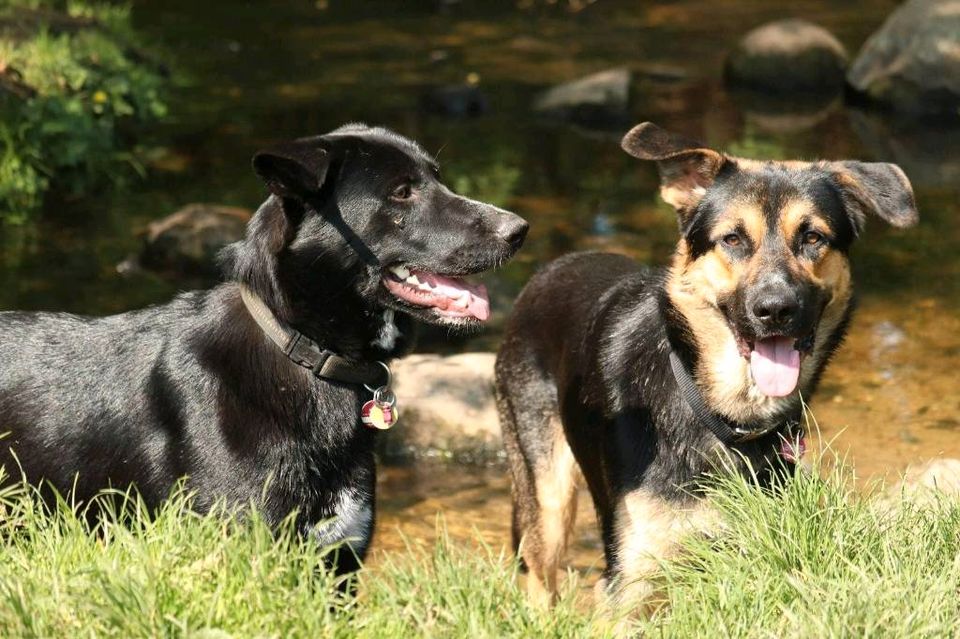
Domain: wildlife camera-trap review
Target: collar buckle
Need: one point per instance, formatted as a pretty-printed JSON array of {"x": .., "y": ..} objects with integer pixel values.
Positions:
[{"x": 304, "y": 351}]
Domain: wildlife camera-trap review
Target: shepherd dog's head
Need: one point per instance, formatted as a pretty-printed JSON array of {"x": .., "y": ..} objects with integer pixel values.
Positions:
[{"x": 762, "y": 271}]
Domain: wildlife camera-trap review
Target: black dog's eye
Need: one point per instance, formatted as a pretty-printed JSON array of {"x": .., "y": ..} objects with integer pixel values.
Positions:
[
  {"x": 402, "y": 192},
  {"x": 732, "y": 239},
  {"x": 812, "y": 238}
]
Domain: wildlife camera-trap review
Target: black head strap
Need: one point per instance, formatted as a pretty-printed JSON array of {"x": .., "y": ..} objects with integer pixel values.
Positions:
[
  {"x": 305, "y": 352},
  {"x": 727, "y": 432}
]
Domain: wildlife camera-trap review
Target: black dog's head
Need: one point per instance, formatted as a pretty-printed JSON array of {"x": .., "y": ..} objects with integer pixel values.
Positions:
[
  {"x": 359, "y": 222},
  {"x": 765, "y": 245}
]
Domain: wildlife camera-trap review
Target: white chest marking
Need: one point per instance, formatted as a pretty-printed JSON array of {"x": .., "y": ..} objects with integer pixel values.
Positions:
[{"x": 387, "y": 339}]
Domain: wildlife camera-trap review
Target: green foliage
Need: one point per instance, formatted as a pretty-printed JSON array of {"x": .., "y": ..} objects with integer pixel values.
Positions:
[
  {"x": 74, "y": 89},
  {"x": 174, "y": 574},
  {"x": 458, "y": 591},
  {"x": 817, "y": 559},
  {"x": 811, "y": 559},
  {"x": 495, "y": 185}
]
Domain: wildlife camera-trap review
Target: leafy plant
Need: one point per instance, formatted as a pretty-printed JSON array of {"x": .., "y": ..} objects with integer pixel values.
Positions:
[{"x": 73, "y": 92}]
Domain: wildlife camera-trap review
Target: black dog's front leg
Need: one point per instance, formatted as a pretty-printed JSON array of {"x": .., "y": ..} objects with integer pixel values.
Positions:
[{"x": 350, "y": 525}]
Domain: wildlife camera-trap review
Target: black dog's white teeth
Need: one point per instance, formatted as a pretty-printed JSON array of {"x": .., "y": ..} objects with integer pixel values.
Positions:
[
  {"x": 400, "y": 271},
  {"x": 403, "y": 274}
]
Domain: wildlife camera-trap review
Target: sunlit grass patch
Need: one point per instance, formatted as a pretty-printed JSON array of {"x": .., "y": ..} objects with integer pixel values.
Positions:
[
  {"x": 816, "y": 558},
  {"x": 465, "y": 591},
  {"x": 134, "y": 575},
  {"x": 812, "y": 558}
]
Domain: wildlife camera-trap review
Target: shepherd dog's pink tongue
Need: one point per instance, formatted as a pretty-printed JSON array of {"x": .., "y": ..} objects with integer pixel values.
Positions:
[{"x": 775, "y": 365}]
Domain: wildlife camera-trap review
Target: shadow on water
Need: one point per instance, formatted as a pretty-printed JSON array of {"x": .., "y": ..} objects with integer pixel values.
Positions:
[{"x": 253, "y": 74}]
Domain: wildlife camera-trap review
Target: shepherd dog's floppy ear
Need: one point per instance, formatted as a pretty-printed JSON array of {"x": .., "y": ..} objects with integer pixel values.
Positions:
[
  {"x": 878, "y": 188},
  {"x": 686, "y": 167},
  {"x": 293, "y": 169}
]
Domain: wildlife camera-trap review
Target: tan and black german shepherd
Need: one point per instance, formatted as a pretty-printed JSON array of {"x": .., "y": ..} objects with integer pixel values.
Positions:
[{"x": 646, "y": 379}]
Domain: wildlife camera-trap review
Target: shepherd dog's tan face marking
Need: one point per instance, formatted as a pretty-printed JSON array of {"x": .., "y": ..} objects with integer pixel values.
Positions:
[
  {"x": 761, "y": 273},
  {"x": 745, "y": 245}
]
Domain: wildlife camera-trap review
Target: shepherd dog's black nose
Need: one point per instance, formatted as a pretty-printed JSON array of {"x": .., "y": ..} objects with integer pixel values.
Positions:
[
  {"x": 775, "y": 306},
  {"x": 774, "y": 310}
]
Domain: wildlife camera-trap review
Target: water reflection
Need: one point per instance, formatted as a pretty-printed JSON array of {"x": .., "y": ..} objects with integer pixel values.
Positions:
[{"x": 891, "y": 393}]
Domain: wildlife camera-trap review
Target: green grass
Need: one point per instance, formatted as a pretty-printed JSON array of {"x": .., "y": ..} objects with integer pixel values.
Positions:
[{"x": 817, "y": 560}]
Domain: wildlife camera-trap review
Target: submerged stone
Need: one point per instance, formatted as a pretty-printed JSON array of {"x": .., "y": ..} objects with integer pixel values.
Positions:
[
  {"x": 187, "y": 242},
  {"x": 456, "y": 100},
  {"x": 599, "y": 98}
]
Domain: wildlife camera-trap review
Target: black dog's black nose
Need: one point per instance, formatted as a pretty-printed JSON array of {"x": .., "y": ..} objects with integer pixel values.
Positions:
[
  {"x": 775, "y": 310},
  {"x": 513, "y": 229}
]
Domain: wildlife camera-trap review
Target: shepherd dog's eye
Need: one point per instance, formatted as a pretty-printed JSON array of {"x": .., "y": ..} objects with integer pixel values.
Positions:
[
  {"x": 812, "y": 238},
  {"x": 402, "y": 192},
  {"x": 732, "y": 239}
]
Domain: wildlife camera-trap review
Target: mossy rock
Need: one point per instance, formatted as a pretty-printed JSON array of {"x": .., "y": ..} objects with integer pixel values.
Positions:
[{"x": 912, "y": 63}]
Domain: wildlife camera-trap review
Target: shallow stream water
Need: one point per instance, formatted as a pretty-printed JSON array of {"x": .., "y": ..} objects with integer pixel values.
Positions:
[{"x": 252, "y": 73}]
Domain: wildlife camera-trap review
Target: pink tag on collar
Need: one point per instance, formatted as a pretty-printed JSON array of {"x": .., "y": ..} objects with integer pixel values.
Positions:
[{"x": 792, "y": 449}]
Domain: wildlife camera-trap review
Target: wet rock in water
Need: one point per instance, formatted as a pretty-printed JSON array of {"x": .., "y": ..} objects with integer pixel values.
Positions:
[
  {"x": 929, "y": 152},
  {"x": 936, "y": 477},
  {"x": 788, "y": 121},
  {"x": 446, "y": 407},
  {"x": 912, "y": 63},
  {"x": 458, "y": 100},
  {"x": 788, "y": 56},
  {"x": 187, "y": 242},
  {"x": 598, "y": 99},
  {"x": 784, "y": 114}
]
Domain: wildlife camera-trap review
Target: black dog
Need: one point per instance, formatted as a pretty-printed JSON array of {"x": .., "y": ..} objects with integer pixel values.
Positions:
[
  {"x": 648, "y": 379},
  {"x": 253, "y": 390}
]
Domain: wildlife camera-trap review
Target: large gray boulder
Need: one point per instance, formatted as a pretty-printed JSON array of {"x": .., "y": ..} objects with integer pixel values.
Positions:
[
  {"x": 941, "y": 475},
  {"x": 446, "y": 407},
  {"x": 912, "y": 63},
  {"x": 788, "y": 56}
]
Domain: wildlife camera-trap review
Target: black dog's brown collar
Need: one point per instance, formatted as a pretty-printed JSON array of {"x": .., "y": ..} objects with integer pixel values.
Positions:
[
  {"x": 728, "y": 433},
  {"x": 307, "y": 353}
]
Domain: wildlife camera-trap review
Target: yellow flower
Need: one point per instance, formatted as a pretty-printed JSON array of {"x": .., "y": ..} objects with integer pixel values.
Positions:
[{"x": 100, "y": 97}]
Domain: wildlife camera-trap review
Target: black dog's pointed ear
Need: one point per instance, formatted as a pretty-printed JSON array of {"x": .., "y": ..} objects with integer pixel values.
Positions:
[
  {"x": 879, "y": 188},
  {"x": 686, "y": 167},
  {"x": 293, "y": 169}
]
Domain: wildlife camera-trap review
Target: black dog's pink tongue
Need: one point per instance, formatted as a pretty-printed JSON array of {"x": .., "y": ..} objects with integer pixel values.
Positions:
[
  {"x": 462, "y": 298},
  {"x": 775, "y": 365}
]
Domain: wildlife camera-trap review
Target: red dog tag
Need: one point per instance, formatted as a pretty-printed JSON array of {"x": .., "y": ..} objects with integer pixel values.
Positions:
[
  {"x": 381, "y": 411},
  {"x": 379, "y": 416}
]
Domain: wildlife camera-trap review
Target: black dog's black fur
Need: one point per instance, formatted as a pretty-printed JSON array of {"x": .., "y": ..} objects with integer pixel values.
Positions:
[{"x": 195, "y": 389}]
